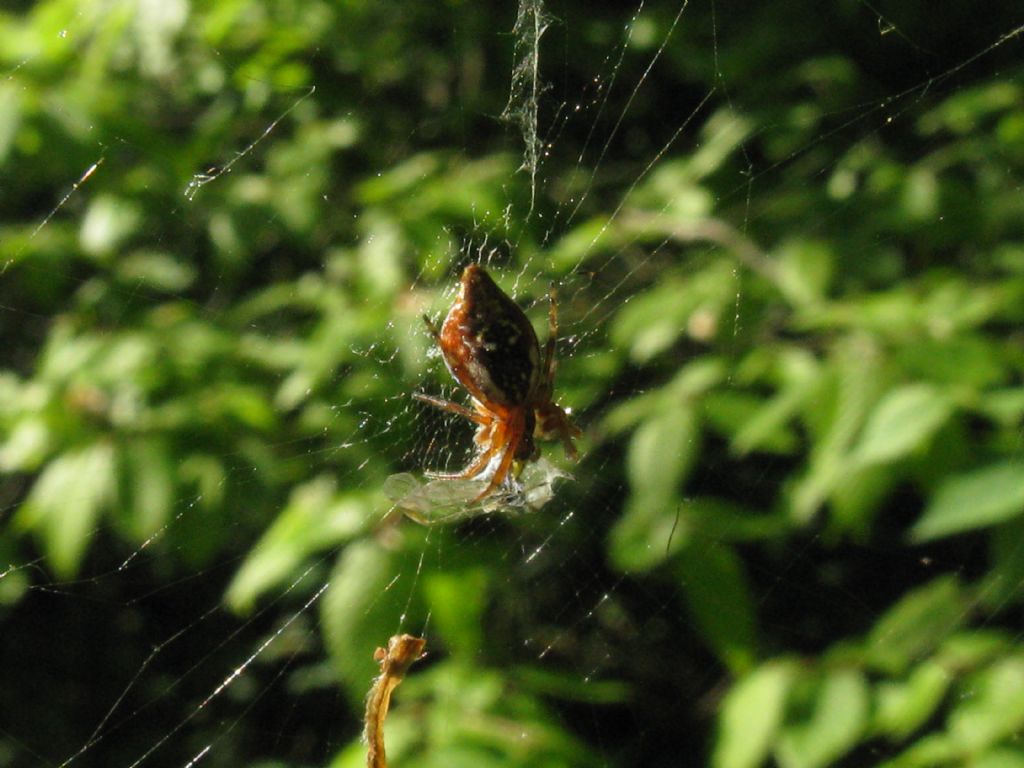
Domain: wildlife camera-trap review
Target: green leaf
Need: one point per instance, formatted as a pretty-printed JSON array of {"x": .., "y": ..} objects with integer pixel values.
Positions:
[
  {"x": 315, "y": 518},
  {"x": 972, "y": 648},
  {"x": 977, "y": 499},
  {"x": 751, "y": 716},
  {"x": 801, "y": 375},
  {"x": 721, "y": 135},
  {"x": 964, "y": 110},
  {"x": 967, "y": 361},
  {"x": 1005, "y": 406},
  {"x": 803, "y": 271},
  {"x": 838, "y": 718},
  {"x": 916, "y": 625},
  {"x": 156, "y": 271},
  {"x": 26, "y": 445},
  {"x": 661, "y": 452},
  {"x": 904, "y": 707},
  {"x": 14, "y": 580},
  {"x": 901, "y": 423},
  {"x": 1003, "y": 585},
  {"x": 718, "y": 596},
  {"x": 921, "y": 194},
  {"x": 654, "y": 320},
  {"x": 995, "y": 708},
  {"x": 645, "y": 535},
  {"x": 704, "y": 519},
  {"x": 400, "y": 179},
  {"x": 694, "y": 380},
  {"x": 65, "y": 502},
  {"x": 569, "y": 686},
  {"x": 148, "y": 485},
  {"x": 583, "y": 241},
  {"x": 1001, "y": 757},
  {"x": 10, "y": 115},
  {"x": 730, "y": 412},
  {"x": 857, "y": 496},
  {"x": 835, "y": 419},
  {"x": 107, "y": 223},
  {"x": 370, "y": 592},
  {"x": 928, "y": 752},
  {"x": 458, "y": 599}
]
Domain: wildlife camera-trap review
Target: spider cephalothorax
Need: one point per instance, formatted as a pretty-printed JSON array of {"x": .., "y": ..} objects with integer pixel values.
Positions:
[{"x": 492, "y": 350}]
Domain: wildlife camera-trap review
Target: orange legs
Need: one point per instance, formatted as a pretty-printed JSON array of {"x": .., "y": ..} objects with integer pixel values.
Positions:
[
  {"x": 491, "y": 349},
  {"x": 494, "y": 434}
]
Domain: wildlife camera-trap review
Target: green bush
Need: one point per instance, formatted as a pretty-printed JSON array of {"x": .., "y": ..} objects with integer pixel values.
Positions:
[{"x": 790, "y": 285}]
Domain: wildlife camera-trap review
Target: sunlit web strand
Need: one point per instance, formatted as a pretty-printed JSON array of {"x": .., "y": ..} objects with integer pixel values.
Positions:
[
  {"x": 202, "y": 179},
  {"x": 74, "y": 188},
  {"x": 235, "y": 674},
  {"x": 622, "y": 114}
]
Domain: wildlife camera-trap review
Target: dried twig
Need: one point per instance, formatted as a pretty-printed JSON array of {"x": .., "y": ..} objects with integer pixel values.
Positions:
[{"x": 402, "y": 652}]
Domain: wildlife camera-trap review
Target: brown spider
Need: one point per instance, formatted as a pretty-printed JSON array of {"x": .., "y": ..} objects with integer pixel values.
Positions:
[{"x": 491, "y": 349}]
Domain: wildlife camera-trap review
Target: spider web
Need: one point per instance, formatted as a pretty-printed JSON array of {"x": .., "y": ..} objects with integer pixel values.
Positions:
[{"x": 603, "y": 201}]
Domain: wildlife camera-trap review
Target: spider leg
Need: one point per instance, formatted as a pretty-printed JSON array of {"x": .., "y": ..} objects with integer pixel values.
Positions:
[
  {"x": 434, "y": 331},
  {"x": 551, "y": 421},
  {"x": 478, "y": 465},
  {"x": 483, "y": 435},
  {"x": 549, "y": 347},
  {"x": 447, "y": 405},
  {"x": 510, "y": 439},
  {"x": 567, "y": 432}
]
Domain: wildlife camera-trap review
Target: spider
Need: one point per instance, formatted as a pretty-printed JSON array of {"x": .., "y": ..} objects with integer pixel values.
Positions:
[{"x": 491, "y": 349}]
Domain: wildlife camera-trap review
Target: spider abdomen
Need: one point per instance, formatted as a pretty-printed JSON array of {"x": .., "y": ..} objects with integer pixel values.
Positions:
[{"x": 488, "y": 343}]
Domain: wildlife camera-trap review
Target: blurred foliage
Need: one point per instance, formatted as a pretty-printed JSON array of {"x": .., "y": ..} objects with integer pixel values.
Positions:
[{"x": 794, "y": 341}]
